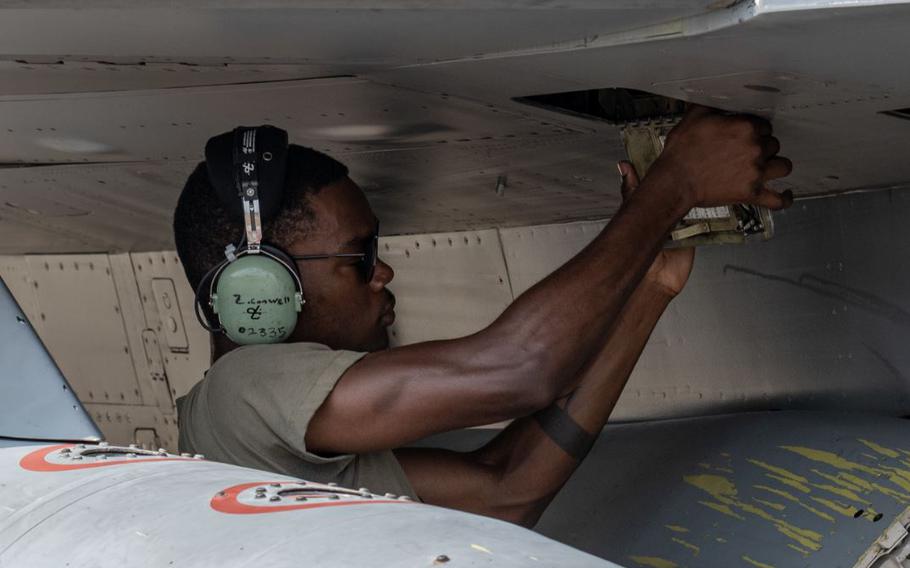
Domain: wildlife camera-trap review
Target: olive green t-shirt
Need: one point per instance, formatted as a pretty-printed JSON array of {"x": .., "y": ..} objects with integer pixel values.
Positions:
[{"x": 253, "y": 407}]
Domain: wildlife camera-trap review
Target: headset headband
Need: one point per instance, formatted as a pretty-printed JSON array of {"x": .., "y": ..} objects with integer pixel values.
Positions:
[
  {"x": 245, "y": 164},
  {"x": 249, "y": 163}
]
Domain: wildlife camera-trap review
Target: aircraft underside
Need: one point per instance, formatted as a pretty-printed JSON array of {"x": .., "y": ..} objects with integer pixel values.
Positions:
[{"x": 482, "y": 190}]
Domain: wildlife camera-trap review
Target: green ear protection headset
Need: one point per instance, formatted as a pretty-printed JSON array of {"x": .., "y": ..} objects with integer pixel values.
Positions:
[{"x": 256, "y": 292}]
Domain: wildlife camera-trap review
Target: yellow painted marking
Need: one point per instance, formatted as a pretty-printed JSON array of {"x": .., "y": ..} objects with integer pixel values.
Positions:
[
  {"x": 481, "y": 548},
  {"x": 756, "y": 562},
  {"x": 845, "y": 510},
  {"x": 704, "y": 465},
  {"x": 896, "y": 495},
  {"x": 805, "y": 553},
  {"x": 898, "y": 477},
  {"x": 653, "y": 562},
  {"x": 831, "y": 459},
  {"x": 879, "y": 449},
  {"x": 845, "y": 493},
  {"x": 724, "y": 491},
  {"x": 857, "y": 481},
  {"x": 695, "y": 550},
  {"x": 870, "y": 456},
  {"x": 790, "y": 497},
  {"x": 724, "y": 469},
  {"x": 790, "y": 482},
  {"x": 722, "y": 509},
  {"x": 775, "y": 506},
  {"x": 780, "y": 471},
  {"x": 838, "y": 480},
  {"x": 677, "y": 528}
]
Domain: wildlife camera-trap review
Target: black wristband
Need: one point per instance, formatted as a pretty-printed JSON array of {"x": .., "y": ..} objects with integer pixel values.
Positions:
[{"x": 562, "y": 429}]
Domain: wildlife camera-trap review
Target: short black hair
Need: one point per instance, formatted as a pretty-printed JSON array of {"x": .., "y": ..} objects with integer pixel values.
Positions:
[{"x": 202, "y": 226}]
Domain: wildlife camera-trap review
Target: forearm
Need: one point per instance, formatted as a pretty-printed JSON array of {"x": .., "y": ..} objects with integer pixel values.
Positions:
[{"x": 535, "y": 467}]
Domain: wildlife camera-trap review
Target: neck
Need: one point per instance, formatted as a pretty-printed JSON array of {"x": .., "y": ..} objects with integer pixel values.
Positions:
[{"x": 221, "y": 346}]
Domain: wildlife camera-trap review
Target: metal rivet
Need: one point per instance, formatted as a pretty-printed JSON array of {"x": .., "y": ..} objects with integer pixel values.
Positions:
[
  {"x": 274, "y": 498},
  {"x": 334, "y": 497},
  {"x": 260, "y": 496},
  {"x": 441, "y": 559},
  {"x": 364, "y": 490},
  {"x": 391, "y": 496},
  {"x": 276, "y": 485},
  {"x": 301, "y": 498},
  {"x": 65, "y": 451},
  {"x": 260, "y": 490}
]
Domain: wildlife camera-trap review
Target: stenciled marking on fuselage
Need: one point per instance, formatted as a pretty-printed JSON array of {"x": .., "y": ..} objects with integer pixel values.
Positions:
[
  {"x": 228, "y": 500},
  {"x": 37, "y": 460}
]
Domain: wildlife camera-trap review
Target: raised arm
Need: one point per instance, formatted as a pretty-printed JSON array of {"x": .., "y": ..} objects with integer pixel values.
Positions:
[
  {"x": 535, "y": 350},
  {"x": 517, "y": 474}
]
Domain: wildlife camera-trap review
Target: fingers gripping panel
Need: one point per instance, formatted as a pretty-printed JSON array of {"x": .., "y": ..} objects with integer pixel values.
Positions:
[{"x": 447, "y": 284}]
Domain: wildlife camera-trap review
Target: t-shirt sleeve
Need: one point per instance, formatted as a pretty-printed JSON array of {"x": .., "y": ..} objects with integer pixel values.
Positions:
[{"x": 282, "y": 387}]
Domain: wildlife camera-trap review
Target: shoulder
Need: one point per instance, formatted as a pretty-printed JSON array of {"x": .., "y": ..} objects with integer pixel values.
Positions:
[{"x": 258, "y": 365}]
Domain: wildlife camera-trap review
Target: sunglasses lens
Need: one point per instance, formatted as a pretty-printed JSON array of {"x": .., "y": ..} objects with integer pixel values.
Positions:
[{"x": 369, "y": 259}]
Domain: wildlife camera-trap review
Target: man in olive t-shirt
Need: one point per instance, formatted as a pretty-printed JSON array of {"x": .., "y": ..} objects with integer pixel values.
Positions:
[
  {"x": 554, "y": 362},
  {"x": 262, "y": 423}
]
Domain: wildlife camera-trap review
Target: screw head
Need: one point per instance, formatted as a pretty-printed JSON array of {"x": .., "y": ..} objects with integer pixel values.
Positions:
[
  {"x": 441, "y": 559},
  {"x": 274, "y": 498}
]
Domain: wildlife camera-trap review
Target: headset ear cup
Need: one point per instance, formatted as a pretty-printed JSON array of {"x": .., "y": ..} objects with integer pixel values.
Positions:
[
  {"x": 291, "y": 266},
  {"x": 256, "y": 298}
]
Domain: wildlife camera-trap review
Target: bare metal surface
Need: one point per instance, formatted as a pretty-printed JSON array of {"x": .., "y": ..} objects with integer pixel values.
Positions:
[{"x": 428, "y": 124}]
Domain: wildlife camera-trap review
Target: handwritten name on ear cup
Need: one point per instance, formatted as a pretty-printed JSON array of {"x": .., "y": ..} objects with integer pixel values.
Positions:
[{"x": 257, "y": 300}]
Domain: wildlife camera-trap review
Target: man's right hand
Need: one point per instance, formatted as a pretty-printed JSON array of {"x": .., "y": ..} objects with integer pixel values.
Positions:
[{"x": 725, "y": 159}]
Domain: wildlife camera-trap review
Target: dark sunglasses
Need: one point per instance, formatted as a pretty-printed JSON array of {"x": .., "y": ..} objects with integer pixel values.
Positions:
[{"x": 367, "y": 264}]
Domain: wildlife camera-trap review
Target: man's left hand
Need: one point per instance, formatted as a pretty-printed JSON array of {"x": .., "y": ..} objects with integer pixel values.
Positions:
[{"x": 671, "y": 268}]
